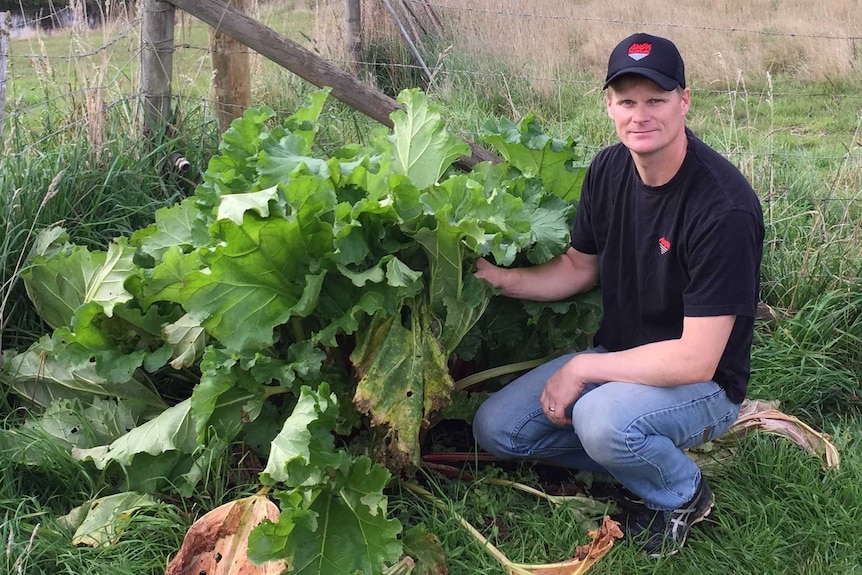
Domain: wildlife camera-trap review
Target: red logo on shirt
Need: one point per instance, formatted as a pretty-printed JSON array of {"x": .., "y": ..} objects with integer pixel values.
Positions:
[
  {"x": 663, "y": 245},
  {"x": 639, "y": 50}
]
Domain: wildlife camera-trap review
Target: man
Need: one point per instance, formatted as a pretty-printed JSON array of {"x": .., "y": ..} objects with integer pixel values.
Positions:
[{"x": 673, "y": 234}]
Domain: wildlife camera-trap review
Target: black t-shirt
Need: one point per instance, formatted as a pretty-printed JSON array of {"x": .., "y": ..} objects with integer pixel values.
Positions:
[{"x": 691, "y": 247}]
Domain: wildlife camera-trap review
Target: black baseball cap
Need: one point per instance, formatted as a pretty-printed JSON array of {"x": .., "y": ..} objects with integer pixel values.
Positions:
[{"x": 649, "y": 56}]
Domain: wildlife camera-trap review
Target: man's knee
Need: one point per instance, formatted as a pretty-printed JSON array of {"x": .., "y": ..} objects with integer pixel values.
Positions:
[{"x": 600, "y": 430}]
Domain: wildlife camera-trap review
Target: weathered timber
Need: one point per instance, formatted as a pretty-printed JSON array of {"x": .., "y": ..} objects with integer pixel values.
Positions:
[
  {"x": 231, "y": 72},
  {"x": 157, "y": 64},
  {"x": 306, "y": 64}
]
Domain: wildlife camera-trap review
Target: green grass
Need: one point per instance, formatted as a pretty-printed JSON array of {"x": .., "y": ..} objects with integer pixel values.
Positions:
[
  {"x": 776, "y": 511},
  {"x": 33, "y": 498}
]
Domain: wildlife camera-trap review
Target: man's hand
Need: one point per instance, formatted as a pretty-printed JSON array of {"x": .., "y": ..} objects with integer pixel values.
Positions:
[
  {"x": 561, "y": 391},
  {"x": 487, "y": 271}
]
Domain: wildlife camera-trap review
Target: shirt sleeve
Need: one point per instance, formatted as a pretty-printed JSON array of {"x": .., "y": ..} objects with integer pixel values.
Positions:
[
  {"x": 724, "y": 267},
  {"x": 583, "y": 236}
]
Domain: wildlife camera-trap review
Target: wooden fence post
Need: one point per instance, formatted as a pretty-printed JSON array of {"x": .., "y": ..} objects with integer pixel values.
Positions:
[
  {"x": 5, "y": 31},
  {"x": 232, "y": 72},
  {"x": 354, "y": 35},
  {"x": 157, "y": 63}
]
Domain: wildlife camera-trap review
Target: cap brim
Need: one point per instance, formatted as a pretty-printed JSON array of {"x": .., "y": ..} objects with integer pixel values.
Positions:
[{"x": 664, "y": 82}]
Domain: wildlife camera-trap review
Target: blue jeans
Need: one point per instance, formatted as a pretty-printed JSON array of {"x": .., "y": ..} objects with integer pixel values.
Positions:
[{"x": 636, "y": 433}]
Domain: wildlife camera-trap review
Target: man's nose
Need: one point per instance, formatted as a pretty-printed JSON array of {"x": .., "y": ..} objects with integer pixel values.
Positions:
[{"x": 641, "y": 114}]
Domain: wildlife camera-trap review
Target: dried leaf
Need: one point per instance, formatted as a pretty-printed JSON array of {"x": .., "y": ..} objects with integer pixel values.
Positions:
[
  {"x": 601, "y": 541},
  {"x": 217, "y": 543},
  {"x": 764, "y": 415}
]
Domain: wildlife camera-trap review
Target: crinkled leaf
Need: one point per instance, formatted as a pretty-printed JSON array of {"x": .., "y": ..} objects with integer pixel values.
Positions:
[
  {"x": 346, "y": 307},
  {"x": 282, "y": 160},
  {"x": 404, "y": 379},
  {"x": 75, "y": 424},
  {"x": 303, "y": 453},
  {"x": 234, "y": 169},
  {"x": 173, "y": 228},
  {"x": 422, "y": 147},
  {"x": 263, "y": 273},
  {"x": 100, "y": 522},
  {"x": 172, "y": 430},
  {"x": 164, "y": 281},
  {"x": 526, "y": 147},
  {"x": 233, "y": 388},
  {"x": 303, "y": 122}
]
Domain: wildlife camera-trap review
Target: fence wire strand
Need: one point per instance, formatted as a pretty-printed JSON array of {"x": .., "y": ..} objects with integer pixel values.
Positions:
[{"x": 131, "y": 32}]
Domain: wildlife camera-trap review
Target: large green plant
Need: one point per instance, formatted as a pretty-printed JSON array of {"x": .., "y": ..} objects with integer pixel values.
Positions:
[{"x": 296, "y": 301}]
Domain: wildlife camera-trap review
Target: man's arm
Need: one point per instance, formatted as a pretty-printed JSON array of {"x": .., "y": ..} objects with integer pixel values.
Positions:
[
  {"x": 692, "y": 358},
  {"x": 563, "y": 276}
]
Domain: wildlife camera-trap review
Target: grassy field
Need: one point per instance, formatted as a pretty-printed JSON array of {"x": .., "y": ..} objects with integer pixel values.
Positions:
[{"x": 781, "y": 101}]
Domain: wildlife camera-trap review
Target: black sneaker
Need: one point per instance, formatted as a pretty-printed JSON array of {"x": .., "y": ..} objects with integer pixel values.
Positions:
[{"x": 663, "y": 533}]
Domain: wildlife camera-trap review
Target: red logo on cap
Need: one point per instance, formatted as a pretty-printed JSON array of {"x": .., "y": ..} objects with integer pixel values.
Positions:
[{"x": 639, "y": 50}]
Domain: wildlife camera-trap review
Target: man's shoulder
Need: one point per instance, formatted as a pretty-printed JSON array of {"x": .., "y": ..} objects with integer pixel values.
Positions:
[{"x": 719, "y": 175}]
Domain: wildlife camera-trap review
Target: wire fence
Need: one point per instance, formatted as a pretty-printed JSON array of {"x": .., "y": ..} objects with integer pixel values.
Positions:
[{"x": 43, "y": 77}]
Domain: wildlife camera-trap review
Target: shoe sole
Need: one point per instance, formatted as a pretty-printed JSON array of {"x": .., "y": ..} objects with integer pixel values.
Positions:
[{"x": 694, "y": 522}]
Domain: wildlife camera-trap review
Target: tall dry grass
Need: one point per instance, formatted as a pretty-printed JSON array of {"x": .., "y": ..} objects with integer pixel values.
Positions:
[{"x": 803, "y": 39}]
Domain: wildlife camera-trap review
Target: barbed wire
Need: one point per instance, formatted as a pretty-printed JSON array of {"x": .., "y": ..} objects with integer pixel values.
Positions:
[
  {"x": 369, "y": 64},
  {"x": 771, "y": 33},
  {"x": 134, "y": 98},
  {"x": 130, "y": 31}
]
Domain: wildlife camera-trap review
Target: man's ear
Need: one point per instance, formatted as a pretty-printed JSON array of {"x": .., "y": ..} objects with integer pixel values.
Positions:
[{"x": 686, "y": 100}]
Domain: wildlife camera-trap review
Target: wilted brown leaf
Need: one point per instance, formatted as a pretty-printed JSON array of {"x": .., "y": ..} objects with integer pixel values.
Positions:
[
  {"x": 217, "y": 543},
  {"x": 764, "y": 415},
  {"x": 601, "y": 541}
]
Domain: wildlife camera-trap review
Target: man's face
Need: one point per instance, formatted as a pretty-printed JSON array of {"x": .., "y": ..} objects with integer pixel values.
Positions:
[{"x": 647, "y": 118}]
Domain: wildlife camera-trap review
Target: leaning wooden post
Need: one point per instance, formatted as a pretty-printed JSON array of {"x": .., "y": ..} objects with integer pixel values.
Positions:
[
  {"x": 307, "y": 65},
  {"x": 5, "y": 31},
  {"x": 157, "y": 64},
  {"x": 231, "y": 72},
  {"x": 354, "y": 35}
]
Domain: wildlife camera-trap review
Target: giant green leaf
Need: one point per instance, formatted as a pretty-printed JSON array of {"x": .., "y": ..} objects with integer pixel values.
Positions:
[
  {"x": 173, "y": 430},
  {"x": 262, "y": 273},
  {"x": 422, "y": 147},
  {"x": 343, "y": 529},
  {"x": 61, "y": 282}
]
